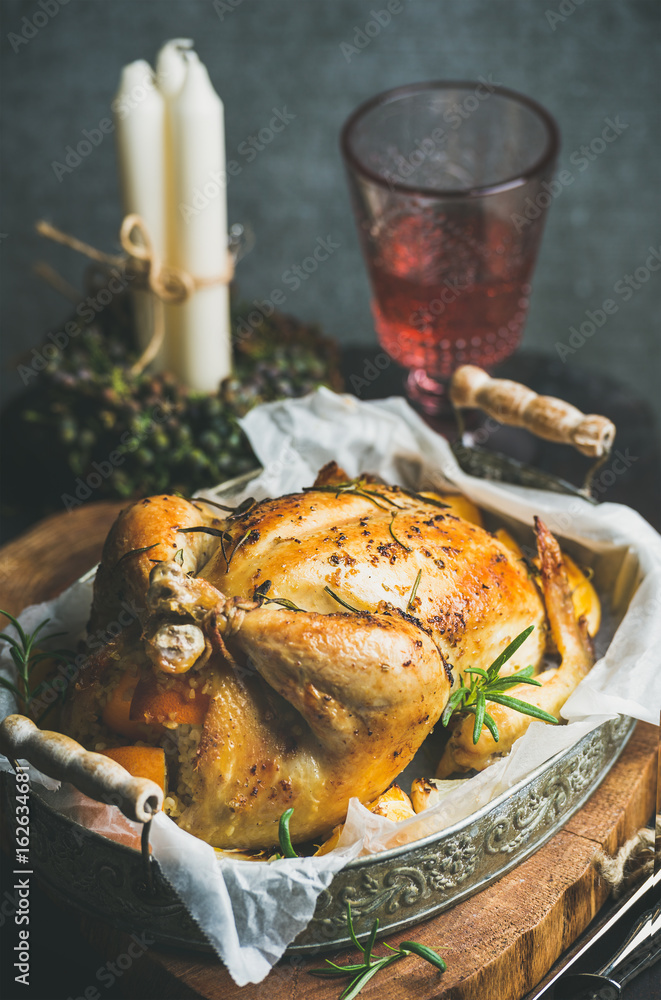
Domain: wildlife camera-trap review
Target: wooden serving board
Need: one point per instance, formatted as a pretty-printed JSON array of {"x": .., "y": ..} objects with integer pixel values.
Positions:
[{"x": 498, "y": 944}]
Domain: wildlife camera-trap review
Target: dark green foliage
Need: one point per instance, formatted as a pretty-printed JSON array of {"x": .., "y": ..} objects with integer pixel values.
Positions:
[{"x": 85, "y": 415}]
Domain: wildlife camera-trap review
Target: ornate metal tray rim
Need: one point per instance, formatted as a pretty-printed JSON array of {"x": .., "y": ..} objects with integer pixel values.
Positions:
[
  {"x": 493, "y": 804},
  {"x": 164, "y": 914}
]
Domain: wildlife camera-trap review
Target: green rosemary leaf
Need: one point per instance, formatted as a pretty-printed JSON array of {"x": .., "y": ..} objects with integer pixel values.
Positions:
[
  {"x": 370, "y": 942},
  {"x": 31, "y": 638},
  {"x": 284, "y": 837},
  {"x": 218, "y": 532},
  {"x": 340, "y": 601},
  {"x": 179, "y": 557},
  {"x": 352, "y": 488},
  {"x": 17, "y": 625},
  {"x": 225, "y": 537},
  {"x": 211, "y": 503},
  {"x": 135, "y": 552},
  {"x": 282, "y": 601},
  {"x": 12, "y": 642},
  {"x": 352, "y": 933},
  {"x": 490, "y": 723},
  {"x": 238, "y": 546},
  {"x": 422, "y": 951},
  {"x": 480, "y": 709},
  {"x": 526, "y": 672},
  {"x": 524, "y": 707},
  {"x": 354, "y": 988},
  {"x": 243, "y": 508},
  {"x": 452, "y": 704},
  {"x": 394, "y": 536},
  {"x": 51, "y": 654},
  {"x": 18, "y": 657},
  {"x": 477, "y": 670},
  {"x": 382, "y": 496},
  {"x": 511, "y": 681},
  {"x": 335, "y": 972},
  {"x": 509, "y": 651},
  {"x": 262, "y": 590},
  {"x": 344, "y": 970},
  {"x": 25, "y": 660},
  {"x": 409, "y": 605},
  {"x": 428, "y": 500}
]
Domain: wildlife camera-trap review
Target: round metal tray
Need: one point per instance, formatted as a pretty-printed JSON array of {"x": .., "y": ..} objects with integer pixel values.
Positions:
[{"x": 401, "y": 886}]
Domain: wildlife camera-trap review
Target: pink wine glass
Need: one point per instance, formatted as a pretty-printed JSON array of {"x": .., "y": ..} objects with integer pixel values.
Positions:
[{"x": 450, "y": 183}]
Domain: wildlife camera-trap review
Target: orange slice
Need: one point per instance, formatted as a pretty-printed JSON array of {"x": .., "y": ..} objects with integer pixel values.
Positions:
[
  {"x": 174, "y": 704},
  {"x": 141, "y": 762}
]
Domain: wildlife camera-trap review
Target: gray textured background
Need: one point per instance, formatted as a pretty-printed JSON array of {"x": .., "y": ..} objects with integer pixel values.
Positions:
[{"x": 601, "y": 61}]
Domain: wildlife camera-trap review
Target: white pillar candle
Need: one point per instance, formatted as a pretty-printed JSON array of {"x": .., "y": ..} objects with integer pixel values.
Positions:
[
  {"x": 139, "y": 113},
  {"x": 171, "y": 66},
  {"x": 198, "y": 219},
  {"x": 170, "y": 75}
]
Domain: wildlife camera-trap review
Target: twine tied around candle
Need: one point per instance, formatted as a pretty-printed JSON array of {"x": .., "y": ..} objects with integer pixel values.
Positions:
[{"x": 169, "y": 285}]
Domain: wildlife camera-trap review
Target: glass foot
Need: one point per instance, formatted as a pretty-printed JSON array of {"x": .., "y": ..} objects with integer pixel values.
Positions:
[{"x": 428, "y": 394}]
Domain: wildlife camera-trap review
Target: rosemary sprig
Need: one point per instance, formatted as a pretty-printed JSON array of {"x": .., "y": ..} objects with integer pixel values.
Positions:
[
  {"x": 409, "y": 605},
  {"x": 428, "y": 500},
  {"x": 132, "y": 552},
  {"x": 284, "y": 836},
  {"x": 355, "y": 487},
  {"x": 406, "y": 548},
  {"x": 284, "y": 602},
  {"x": 234, "y": 512},
  {"x": 486, "y": 685},
  {"x": 238, "y": 545},
  {"x": 218, "y": 532},
  {"x": 340, "y": 601},
  {"x": 243, "y": 508},
  {"x": 362, "y": 972},
  {"x": 26, "y": 659}
]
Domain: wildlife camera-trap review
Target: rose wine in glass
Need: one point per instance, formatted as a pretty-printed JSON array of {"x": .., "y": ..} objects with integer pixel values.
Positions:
[{"x": 449, "y": 184}]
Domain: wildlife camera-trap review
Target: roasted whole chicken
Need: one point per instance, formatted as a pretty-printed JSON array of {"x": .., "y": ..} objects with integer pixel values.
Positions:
[{"x": 296, "y": 652}]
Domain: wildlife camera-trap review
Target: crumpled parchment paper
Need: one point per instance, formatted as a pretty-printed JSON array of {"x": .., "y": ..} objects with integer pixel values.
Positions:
[{"x": 251, "y": 911}]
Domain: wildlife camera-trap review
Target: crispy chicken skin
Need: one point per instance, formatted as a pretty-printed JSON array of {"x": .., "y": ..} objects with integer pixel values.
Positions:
[
  {"x": 305, "y": 707},
  {"x": 575, "y": 648}
]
